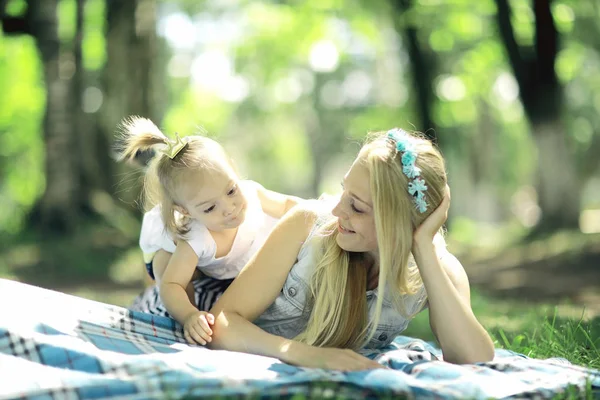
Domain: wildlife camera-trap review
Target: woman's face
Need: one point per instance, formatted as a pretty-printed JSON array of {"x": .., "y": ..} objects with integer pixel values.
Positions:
[{"x": 356, "y": 221}]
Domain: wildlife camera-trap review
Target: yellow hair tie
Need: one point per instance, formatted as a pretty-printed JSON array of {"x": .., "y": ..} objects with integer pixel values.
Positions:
[{"x": 174, "y": 147}]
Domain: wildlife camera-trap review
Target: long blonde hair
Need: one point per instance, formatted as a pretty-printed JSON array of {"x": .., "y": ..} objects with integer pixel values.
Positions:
[
  {"x": 164, "y": 176},
  {"x": 339, "y": 314}
]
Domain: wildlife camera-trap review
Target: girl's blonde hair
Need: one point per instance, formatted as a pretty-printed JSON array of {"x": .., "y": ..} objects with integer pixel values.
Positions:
[
  {"x": 339, "y": 316},
  {"x": 165, "y": 175}
]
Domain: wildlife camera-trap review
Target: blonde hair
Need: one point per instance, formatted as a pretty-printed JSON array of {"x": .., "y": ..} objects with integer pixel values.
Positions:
[
  {"x": 165, "y": 175},
  {"x": 339, "y": 314}
]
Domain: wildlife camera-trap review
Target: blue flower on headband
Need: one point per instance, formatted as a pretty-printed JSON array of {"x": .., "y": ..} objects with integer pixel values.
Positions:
[
  {"x": 409, "y": 158},
  {"x": 421, "y": 203},
  {"x": 417, "y": 186},
  {"x": 399, "y": 136},
  {"x": 404, "y": 145},
  {"x": 411, "y": 171}
]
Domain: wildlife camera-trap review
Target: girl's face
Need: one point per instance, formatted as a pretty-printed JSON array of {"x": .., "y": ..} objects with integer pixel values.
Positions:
[
  {"x": 214, "y": 198},
  {"x": 356, "y": 221}
]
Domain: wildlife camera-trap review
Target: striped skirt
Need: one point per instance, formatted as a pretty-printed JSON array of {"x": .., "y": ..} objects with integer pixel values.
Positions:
[{"x": 207, "y": 291}]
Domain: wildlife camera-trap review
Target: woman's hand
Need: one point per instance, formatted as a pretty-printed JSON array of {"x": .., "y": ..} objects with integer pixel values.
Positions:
[
  {"x": 333, "y": 358},
  {"x": 432, "y": 224}
]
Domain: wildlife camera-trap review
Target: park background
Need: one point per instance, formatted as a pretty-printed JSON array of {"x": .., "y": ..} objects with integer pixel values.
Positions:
[{"x": 509, "y": 90}]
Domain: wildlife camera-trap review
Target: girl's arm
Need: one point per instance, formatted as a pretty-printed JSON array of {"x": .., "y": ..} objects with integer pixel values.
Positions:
[
  {"x": 461, "y": 336},
  {"x": 275, "y": 204},
  {"x": 256, "y": 288},
  {"x": 174, "y": 281}
]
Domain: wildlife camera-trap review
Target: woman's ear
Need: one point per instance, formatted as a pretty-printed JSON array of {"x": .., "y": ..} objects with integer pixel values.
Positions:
[{"x": 181, "y": 210}]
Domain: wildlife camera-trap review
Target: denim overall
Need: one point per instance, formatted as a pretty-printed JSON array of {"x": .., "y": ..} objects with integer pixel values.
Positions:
[{"x": 287, "y": 316}]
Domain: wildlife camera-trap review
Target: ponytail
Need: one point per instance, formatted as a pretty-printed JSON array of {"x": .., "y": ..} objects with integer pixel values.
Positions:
[{"x": 138, "y": 134}]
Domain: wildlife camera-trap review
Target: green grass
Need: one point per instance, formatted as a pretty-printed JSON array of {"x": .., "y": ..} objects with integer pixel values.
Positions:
[{"x": 535, "y": 330}]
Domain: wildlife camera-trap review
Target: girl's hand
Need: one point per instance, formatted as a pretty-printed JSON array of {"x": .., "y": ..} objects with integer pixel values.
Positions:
[
  {"x": 196, "y": 328},
  {"x": 332, "y": 358},
  {"x": 432, "y": 224}
]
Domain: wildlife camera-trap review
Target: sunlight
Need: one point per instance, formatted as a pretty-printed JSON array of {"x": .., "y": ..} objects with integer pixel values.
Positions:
[
  {"x": 589, "y": 221},
  {"x": 324, "y": 56},
  {"x": 505, "y": 88},
  {"x": 287, "y": 90},
  {"x": 357, "y": 87},
  {"x": 179, "y": 30},
  {"x": 180, "y": 65},
  {"x": 213, "y": 71},
  {"x": 306, "y": 79},
  {"x": 332, "y": 95},
  {"x": 451, "y": 88},
  {"x": 524, "y": 205},
  {"x": 92, "y": 99},
  {"x": 234, "y": 90}
]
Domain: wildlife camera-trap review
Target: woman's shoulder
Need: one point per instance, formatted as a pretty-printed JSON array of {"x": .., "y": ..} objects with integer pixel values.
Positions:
[
  {"x": 313, "y": 211},
  {"x": 303, "y": 216},
  {"x": 300, "y": 222}
]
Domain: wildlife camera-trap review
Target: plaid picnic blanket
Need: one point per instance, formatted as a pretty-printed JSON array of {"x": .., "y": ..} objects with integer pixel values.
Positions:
[{"x": 57, "y": 346}]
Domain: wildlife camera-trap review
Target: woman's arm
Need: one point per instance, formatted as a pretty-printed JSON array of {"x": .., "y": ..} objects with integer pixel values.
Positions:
[
  {"x": 255, "y": 289},
  {"x": 461, "y": 336},
  {"x": 275, "y": 204}
]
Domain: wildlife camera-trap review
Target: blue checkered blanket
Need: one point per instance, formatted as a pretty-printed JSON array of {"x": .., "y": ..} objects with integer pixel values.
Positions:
[{"x": 57, "y": 346}]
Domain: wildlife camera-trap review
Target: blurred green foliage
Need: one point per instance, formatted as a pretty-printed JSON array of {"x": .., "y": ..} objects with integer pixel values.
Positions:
[
  {"x": 21, "y": 142},
  {"x": 285, "y": 84}
]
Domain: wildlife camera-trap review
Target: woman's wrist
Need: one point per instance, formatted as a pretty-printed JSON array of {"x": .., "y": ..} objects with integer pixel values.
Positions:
[
  {"x": 421, "y": 246},
  {"x": 292, "y": 352}
]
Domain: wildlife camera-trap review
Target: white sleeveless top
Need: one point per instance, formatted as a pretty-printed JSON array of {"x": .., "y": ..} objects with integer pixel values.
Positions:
[{"x": 251, "y": 235}]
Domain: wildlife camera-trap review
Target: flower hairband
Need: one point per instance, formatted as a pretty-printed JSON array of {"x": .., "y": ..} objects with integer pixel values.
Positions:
[{"x": 416, "y": 185}]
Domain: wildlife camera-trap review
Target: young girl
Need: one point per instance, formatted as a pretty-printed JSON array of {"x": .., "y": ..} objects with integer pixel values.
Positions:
[{"x": 209, "y": 219}]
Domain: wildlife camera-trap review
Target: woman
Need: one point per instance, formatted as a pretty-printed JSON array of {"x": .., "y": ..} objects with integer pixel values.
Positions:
[{"x": 329, "y": 282}]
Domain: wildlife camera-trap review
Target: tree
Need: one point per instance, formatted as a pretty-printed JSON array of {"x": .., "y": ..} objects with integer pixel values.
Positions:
[
  {"x": 77, "y": 145},
  {"x": 58, "y": 207},
  {"x": 541, "y": 94},
  {"x": 420, "y": 65},
  {"x": 132, "y": 66}
]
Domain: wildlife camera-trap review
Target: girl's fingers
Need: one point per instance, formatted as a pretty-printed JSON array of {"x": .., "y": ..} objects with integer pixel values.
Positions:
[
  {"x": 211, "y": 319},
  {"x": 187, "y": 337},
  {"x": 196, "y": 336},
  {"x": 204, "y": 324},
  {"x": 200, "y": 332}
]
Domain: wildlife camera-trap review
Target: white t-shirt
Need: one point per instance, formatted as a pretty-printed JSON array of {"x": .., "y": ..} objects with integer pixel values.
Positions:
[{"x": 251, "y": 235}]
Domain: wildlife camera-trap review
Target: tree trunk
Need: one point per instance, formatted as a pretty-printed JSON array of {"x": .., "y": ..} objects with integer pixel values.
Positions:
[
  {"x": 132, "y": 74},
  {"x": 78, "y": 161},
  {"x": 129, "y": 77},
  {"x": 557, "y": 184},
  {"x": 541, "y": 93},
  {"x": 91, "y": 175},
  {"x": 314, "y": 122},
  {"x": 420, "y": 66},
  {"x": 57, "y": 209}
]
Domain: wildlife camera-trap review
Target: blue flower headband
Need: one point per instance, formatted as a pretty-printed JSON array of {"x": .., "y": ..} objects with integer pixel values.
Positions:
[{"x": 416, "y": 187}]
